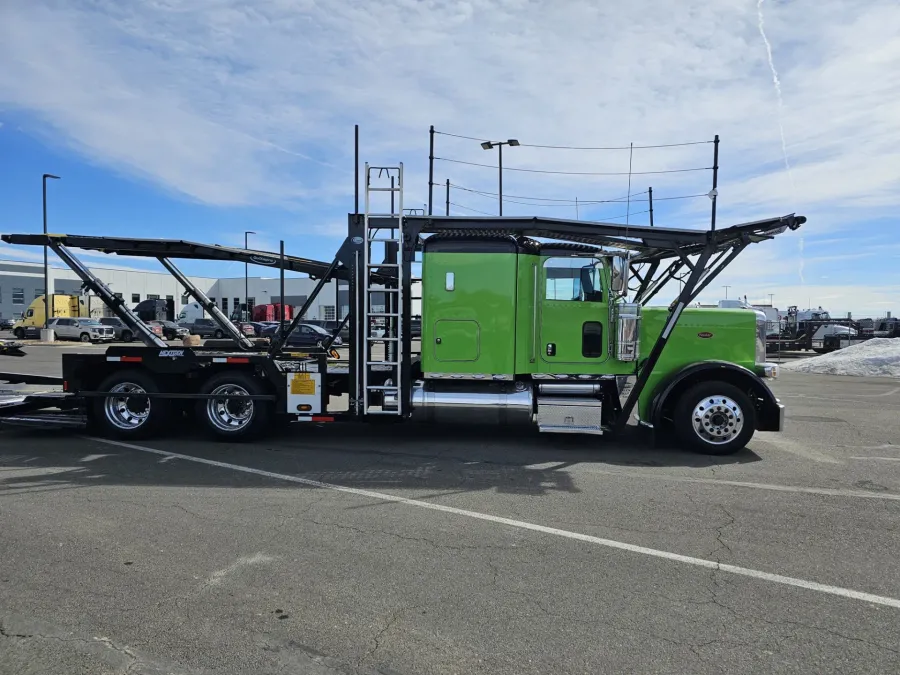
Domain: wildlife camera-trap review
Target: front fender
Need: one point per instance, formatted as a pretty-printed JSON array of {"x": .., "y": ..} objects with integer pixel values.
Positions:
[{"x": 770, "y": 411}]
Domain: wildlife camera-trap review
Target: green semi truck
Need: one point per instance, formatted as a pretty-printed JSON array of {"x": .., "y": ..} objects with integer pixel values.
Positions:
[{"x": 525, "y": 321}]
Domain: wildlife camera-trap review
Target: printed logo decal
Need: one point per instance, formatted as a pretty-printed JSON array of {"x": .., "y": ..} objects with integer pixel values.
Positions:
[
  {"x": 172, "y": 352},
  {"x": 262, "y": 260},
  {"x": 705, "y": 335}
]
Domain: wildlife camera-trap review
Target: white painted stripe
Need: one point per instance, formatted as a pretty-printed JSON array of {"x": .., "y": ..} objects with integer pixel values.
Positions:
[
  {"x": 828, "y": 492},
  {"x": 610, "y": 543}
]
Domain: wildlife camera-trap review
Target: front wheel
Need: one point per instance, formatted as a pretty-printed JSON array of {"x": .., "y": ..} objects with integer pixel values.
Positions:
[
  {"x": 128, "y": 414},
  {"x": 234, "y": 419},
  {"x": 85, "y": 337},
  {"x": 19, "y": 333},
  {"x": 714, "y": 418},
  {"x": 218, "y": 335}
]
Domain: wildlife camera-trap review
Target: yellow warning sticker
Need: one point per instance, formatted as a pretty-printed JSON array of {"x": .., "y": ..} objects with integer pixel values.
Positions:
[{"x": 303, "y": 385}]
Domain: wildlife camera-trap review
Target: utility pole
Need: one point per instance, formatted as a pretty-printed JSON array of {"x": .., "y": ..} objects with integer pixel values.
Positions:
[
  {"x": 48, "y": 306},
  {"x": 771, "y": 300}
]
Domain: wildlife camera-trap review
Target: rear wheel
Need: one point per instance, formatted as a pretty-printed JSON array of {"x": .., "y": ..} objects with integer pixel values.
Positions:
[
  {"x": 228, "y": 419},
  {"x": 218, "y": 335},
  {"x": 127, "y": 336},
  {"x": 714, "y": 418},
  {"x": 128, "y": 414}
]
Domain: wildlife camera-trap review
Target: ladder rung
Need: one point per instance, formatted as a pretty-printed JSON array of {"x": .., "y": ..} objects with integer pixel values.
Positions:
[
  {"x": 383, "y": 189},
  {"x": 388, "y": 314},
  {"x": 384, "y": 265},
  {"x": 383, "y": 240},
  {"x": 383, "y": 290},
  {"x": 382, "y": 363},
  {"x": 382, "y": 339},
  {"x": 382, "y": 215},
  {"x": 382, "y": 412},
  {"x": 374, "y": 388}
]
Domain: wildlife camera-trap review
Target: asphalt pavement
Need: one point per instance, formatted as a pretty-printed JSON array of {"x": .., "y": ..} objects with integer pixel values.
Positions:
[{"x": 415, "y": 549}]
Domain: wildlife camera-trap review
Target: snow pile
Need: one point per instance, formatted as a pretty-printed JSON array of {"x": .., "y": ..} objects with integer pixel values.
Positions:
[{"x": 878, "y": 357}]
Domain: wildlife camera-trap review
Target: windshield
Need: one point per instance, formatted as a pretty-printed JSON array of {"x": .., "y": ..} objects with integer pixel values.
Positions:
[{"x": 89, "y": 322}]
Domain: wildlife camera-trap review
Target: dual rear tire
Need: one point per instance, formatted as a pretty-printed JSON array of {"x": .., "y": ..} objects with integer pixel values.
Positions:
[{"x": 131, "y": 414}]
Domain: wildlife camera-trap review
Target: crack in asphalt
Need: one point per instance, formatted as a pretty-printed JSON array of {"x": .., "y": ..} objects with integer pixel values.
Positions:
[{"x": 376, "y": 639}]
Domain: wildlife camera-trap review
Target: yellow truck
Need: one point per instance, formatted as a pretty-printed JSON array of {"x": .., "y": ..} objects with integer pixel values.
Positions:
[{"x": 32, "y": 320}]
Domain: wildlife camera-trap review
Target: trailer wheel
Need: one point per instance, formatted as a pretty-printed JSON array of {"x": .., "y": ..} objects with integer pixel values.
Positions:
[
  {"x": 714, "y": 418},
  {"x": 130, "y": 415},
  {"x": 229, "y": 419}
]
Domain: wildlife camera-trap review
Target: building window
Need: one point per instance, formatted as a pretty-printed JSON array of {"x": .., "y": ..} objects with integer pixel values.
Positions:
[
  {"x": 185, "y": 299},
  {"x": 1, "y": 293},
  {"x": 575, "y": 279},
  {"x": 135, "y": 297},
  {"x": 18, "y": 296},
  {"x": 225, "y": 305},
  {"x": 118, "y": 295},
  {"x": 326, "y": 312},
  {"x": 153, "y": 297},
  {"x": 38, "y": 292}
]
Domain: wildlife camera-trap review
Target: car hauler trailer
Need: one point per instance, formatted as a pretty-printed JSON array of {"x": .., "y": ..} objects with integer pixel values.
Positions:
[{"x": 529, "y": 321}]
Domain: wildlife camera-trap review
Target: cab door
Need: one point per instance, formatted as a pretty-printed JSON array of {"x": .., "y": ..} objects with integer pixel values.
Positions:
[{"x": 574, "y": 314}]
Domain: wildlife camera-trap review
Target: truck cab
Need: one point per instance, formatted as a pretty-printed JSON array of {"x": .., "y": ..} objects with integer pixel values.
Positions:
[{"x": 33, "y": 318}]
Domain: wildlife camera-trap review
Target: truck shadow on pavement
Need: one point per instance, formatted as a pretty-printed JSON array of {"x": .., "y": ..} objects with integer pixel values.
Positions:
[{"x": 436, "y": 459}]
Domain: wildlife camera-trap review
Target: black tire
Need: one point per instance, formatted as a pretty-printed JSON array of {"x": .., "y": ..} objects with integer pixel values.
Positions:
[
  {"x": 112, "y": 420},
  {"x": 218, "y": 335},
  {"x": 85, "y": 337},
  {"x": 230, "y": 420},
  {"x": 127, "y": 336},
  {"x": 726, "y": 408},
  {"x": 19, "y": 333}
]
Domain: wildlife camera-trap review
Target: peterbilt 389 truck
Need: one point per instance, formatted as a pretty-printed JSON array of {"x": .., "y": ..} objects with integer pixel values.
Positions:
[{"x": 525, "y": 321}]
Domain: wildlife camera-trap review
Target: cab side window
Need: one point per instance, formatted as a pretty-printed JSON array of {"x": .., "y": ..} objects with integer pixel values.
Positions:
[{"x": 573, "y": 279}]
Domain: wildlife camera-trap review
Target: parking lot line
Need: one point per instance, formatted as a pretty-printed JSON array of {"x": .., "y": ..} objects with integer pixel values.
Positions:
[
  {"x": 523, "y": 525},
  {"x": 829, "y": 492}
]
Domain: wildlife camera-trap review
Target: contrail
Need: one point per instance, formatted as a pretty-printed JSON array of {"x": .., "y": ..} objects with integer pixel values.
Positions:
[{"x": 777, "y": 83}]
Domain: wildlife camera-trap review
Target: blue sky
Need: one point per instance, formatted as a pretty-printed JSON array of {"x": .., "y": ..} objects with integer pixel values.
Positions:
[{"x": 201, "y": 119}]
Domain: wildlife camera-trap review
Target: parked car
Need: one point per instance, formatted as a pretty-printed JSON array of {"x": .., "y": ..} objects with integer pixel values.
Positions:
[
  {"x": 7, "y": 324},
  {"x": 204, "y": 328},
  {"x": 305, "y": 335},
  {"x": 84, "y": 329},
  {"x": 122, "y": 332},
  {"x": 170, "y": 330},
  {"x": 331, "y": 326}
]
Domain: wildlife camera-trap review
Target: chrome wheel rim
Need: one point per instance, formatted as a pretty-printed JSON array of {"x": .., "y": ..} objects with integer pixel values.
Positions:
[
  {"x": 717, "y": 419},
  {"x": 127, "y": 412},
  {"x": 226, "y": 414}
]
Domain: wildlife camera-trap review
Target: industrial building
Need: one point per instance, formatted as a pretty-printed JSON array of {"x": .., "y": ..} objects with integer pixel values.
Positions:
[{"x": 22, "y": 282}]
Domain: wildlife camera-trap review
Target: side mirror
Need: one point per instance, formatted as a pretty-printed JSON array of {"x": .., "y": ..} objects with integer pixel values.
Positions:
[
  {"x": 77, "y": 324},
  {"x": 619, "y": 281}
]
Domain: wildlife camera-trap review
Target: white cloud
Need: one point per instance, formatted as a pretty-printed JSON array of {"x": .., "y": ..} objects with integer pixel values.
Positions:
[{"x": 232, "y": 103}]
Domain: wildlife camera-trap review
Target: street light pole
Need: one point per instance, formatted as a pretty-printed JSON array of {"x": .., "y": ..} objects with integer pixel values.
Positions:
[
  {"x": 771, "y": 300},
  {"x": 487, "y": 145},
  {"x": 47, "y": 304},
  {"x": 726, "y": 291},
  {"x": 246, "y": 316}
]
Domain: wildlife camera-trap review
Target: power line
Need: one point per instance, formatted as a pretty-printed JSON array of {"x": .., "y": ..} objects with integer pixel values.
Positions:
[
  {"x": 484, "y": 193},
  {"x": 460, "y": 206},
  {"x": 575, "y": 147},
  {"x": 576, "y": 173}
]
